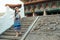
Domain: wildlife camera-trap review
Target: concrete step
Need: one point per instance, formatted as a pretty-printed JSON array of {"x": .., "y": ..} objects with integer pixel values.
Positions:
[
  {"x": 21, "y": 29},
  {"x": 14, "y": 31},
  {"x": 30, "y": 19},
  {"x": 4, "y": 39},
  {"x": 26, "y": 23},
  {"x": 22, "y": 26},
  {"x": 11, "y": 33},
  {"x": 27, "y": 20},
  {"x": 9, "y": 37}
]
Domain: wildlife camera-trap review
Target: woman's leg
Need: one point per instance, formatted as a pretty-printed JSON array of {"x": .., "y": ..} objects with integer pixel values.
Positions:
[
  {"x": 17, "y": 33},
  {"x": 20, "y": 30}
]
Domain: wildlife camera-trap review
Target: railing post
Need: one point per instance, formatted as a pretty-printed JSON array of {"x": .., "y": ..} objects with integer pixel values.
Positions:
[{"x": 44, "y": 13}]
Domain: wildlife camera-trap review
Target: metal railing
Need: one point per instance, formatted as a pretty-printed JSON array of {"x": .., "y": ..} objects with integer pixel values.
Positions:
[{"x": 29, "y": 29}]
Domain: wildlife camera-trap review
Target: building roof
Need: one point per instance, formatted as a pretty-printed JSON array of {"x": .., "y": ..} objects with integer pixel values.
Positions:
[{"x": 27, "y": 3}]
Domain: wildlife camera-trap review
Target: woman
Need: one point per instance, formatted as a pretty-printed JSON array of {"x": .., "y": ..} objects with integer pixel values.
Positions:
[{"x": 17, "y": 24}]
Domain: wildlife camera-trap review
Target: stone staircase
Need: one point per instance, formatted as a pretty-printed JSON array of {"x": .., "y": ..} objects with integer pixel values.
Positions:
[
  {"x": 9, "y": 34},
  {"x": 46, "y": 28}
]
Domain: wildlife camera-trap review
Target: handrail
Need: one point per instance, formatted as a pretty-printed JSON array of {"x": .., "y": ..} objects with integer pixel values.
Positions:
[{"x": 29, "y": 29}]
